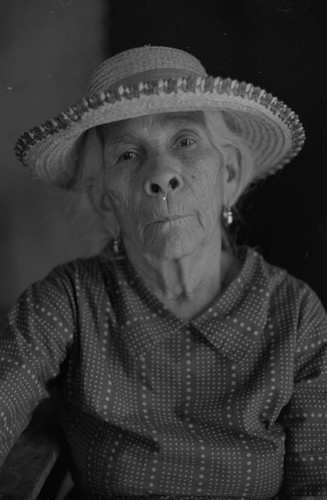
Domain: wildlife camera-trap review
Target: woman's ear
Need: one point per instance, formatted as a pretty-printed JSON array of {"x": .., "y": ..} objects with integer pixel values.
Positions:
[
  {"x": 103, "y": 207},
  {"x": 234, "y": 175},
  {"x": 92, "y": 168}
]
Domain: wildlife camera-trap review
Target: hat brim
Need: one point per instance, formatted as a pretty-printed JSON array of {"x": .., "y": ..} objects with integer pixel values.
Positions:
[{"x": 271, "y": 130}]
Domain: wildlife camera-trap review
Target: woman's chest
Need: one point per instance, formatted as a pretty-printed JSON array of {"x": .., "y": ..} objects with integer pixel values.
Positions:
[{"x": 181, "y": 375}]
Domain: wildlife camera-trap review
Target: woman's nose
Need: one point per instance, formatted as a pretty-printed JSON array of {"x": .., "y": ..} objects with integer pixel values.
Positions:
[{"x": 160, "y": 182}]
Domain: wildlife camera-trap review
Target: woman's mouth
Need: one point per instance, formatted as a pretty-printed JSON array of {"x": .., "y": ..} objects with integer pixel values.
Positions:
[{"x": 167, "y": 219}]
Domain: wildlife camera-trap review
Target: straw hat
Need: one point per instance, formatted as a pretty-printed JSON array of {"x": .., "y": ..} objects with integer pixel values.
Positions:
[{"x": 149, "y": 80}]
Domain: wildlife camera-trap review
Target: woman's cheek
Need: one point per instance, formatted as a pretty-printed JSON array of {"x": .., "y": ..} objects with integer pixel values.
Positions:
[
  {"x": 124, "y": 206},
  {"x": 210, "y": 198},
  {"x": 208, "y": 187}
]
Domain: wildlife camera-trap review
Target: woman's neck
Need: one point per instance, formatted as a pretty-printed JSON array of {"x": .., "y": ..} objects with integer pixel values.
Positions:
[{"x": 189, "y": 284}]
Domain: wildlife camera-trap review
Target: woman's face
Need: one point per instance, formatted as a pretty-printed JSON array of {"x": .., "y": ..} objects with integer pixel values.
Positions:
[{"x": 164, "y": 179}]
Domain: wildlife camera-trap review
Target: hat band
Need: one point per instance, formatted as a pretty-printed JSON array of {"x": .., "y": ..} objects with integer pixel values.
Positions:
[{"x": 143, "y": 76}]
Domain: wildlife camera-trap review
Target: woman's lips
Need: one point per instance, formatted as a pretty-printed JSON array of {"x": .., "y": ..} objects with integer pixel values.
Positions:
[
  {"x": 170, "y": 218},
  {"x": 167, "y": 223}
]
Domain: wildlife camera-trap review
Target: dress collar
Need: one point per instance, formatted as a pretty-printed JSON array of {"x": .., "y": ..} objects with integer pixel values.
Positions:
[
  {"x": 232, "y": 324},
  {"x": 236, "y": 319}
]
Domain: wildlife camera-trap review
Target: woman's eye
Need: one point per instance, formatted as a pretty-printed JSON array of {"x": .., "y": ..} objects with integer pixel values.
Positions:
[
  {"x": 128, "y": 155},
  {"x": 187, "y": 142}
]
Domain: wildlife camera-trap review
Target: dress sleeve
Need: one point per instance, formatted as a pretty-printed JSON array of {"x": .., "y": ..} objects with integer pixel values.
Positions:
[
  {"x": 305, "y": 417},
  {"x": 36, "y": 338}
]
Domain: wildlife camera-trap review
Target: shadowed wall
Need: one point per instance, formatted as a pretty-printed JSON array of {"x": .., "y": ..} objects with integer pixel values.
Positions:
[{"x": 48, "y": 50}]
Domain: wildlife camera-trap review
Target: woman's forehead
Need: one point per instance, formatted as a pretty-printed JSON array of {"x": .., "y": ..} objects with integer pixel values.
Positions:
[{"x": 150, "y": 121}]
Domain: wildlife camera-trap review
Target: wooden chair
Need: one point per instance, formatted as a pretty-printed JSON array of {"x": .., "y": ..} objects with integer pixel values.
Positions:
[{"x": 36, "y": 468}]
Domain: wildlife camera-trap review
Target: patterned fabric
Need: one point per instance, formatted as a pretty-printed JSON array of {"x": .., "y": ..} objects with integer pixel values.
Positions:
[{"x": 230, "y": 405}]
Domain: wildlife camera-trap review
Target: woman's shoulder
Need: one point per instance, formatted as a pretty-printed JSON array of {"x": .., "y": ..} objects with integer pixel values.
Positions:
[
  {"x": 85, "y": 270},
  {"x": 283, "y": 288},
  {"x": 73, "y": 277},
  {"x": 80, "y": 265}
]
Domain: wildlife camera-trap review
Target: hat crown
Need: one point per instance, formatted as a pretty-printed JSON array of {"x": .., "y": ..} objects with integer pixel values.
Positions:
[{"x": 144, "y": 63}]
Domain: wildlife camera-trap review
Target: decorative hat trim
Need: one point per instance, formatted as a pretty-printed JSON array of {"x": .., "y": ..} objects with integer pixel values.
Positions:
[{"x": 244, "y": 102}]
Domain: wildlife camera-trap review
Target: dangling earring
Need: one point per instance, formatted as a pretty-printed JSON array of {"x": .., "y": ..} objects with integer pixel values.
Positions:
[
  {"x": 228, "y": 216},
  {"x": 116, "y": 246}
]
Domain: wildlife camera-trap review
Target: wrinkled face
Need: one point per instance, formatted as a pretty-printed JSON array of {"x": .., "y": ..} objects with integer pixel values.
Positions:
[{"x": 164, "y": 179}]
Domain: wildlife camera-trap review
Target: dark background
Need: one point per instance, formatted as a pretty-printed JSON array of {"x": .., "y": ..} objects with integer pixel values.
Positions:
[
  {"x": 49, "y": 50},
  {"x": 281, "y": 46}
]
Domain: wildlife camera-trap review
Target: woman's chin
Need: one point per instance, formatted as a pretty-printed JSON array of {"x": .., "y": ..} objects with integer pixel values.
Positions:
[
  {"x": 171, "y": 247},
  {"x": 171, "y": 239}
]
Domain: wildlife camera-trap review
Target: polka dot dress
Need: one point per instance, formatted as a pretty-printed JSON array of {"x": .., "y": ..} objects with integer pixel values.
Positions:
[{"x": 232, "y": 404}]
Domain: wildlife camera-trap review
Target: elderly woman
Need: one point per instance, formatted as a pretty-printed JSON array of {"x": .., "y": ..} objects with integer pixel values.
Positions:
[{"x": 188, "y": 368}]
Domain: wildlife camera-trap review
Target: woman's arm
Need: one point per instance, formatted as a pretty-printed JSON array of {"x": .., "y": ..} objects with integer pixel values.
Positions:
[
  {"x": 35, "y": 341},
  {"x": 305, "y": 417}
]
